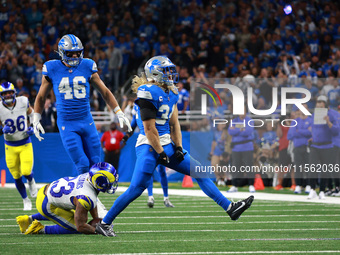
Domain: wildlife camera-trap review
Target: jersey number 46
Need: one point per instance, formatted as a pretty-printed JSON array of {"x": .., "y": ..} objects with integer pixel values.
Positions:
[{"x": 79, "y": 90}]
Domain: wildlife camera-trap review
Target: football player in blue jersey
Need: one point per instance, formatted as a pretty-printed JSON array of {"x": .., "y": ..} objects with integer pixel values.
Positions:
[
  {"x": 160, "y": 141},
  {"x": 67, "y": 202},
  {"x": 161, "y": 168},
  {"x": 70, "y": 79}
]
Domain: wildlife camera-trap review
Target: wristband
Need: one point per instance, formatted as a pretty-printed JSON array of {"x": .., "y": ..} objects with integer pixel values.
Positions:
[{"x": 117, "y": 109}]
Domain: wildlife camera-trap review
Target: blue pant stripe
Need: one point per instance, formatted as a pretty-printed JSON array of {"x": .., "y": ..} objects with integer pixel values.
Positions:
[{"x": 48, "y": 214}]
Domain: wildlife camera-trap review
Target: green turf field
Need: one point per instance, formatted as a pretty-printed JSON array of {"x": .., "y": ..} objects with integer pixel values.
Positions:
[{"x": 195, "y": 226}]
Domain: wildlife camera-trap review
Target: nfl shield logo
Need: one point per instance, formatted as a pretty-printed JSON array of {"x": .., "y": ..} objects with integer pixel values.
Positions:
[{"x": 63, "y": 127}]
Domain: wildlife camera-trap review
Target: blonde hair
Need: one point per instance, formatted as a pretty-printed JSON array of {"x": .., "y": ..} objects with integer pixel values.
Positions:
[{"x": 138, "y": 81}]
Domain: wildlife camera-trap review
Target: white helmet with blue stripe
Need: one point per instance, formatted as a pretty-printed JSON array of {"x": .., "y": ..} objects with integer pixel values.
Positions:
[{"x": 67, "y": 46}]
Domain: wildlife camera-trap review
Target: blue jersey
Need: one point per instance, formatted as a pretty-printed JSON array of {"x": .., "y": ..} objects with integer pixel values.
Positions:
[
  {"x": 323, "y": 134},
  {"x": 300, "y": 134},
  {"x": 183, "y": 96},
  {"x": 71, "y": 87},
  {"x": 164, "y": 103}
]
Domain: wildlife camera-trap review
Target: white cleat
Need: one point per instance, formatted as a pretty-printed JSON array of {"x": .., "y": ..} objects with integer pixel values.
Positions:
[
  {"x": 167, "y": 203},
  {"x": 251, "y": 188},
  {"x": 307, "y": 189},
  {"x": 151, "y": 202},
  {"x": 220, "y": 183},
  {"x": 232, "y": 189},
  {"x": 27, "y": 204},
  {"x": 297, "y": 189},
  {"x": 312, "y": 194},
  {"x": 322, "y": 195},
  {"x": 101, "y": 209},
  {"x": 32, "y": 187}
]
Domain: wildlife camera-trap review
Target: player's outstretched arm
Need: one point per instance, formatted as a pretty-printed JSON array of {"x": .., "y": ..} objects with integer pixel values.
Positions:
[
  {"x": 176, "y": 135},
  {"x": 80, "y": 219},
  {"x": 175, "y": 132},
  {"x": 45, "y": 88},
  {"x": 110, "y": 100}
]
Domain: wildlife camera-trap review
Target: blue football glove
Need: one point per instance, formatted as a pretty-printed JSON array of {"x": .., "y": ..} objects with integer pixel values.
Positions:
[
  {"x": 30, "y": 131},
  {"x": 7, "y": 129}
]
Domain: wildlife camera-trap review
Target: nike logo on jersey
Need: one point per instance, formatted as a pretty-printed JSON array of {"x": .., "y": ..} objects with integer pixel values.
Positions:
[
  {"x": 91, "y": 123},
  {"x": 243, "y": 204}
]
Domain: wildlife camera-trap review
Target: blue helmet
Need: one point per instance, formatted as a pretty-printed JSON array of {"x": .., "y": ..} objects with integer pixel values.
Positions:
[
  {"x": 104, "y": 177},
  {"x": 5, "y": 87},
  {"x": 67, "y": 45},
  {"x": 162, "y": 70}
]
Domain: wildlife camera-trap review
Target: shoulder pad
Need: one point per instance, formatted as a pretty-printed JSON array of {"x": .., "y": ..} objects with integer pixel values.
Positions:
[
  {"x": 91, "y": 64},
  {"x": 148, "y": 91},
  {"x": 48, "y": 65},
  {"x": 86, "y": 202}
]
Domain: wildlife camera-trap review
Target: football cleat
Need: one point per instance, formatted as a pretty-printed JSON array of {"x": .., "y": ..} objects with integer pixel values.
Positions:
[
  {"x": 32, "y": 187},
  {"x": 167, "y": 203},
  {"x": 27, "y": 204},
  {"x": 312, "y": 194},
  {"x": 297, "y": 189},
  {"x": 237, "y": 208},
  {"x": 220, "y": 182},
  {"x": 232, "y": 189},
  {"x": 151, "y": 202},
  {"x": 23, "y": 221},
  {"x": 307, "y": 189},
  {"x": 251, "y": 188},
  {"x": 336, "y": 193},
  {"x": 322, "y": 195},
  {"x": 105, "y": 229},
  {"x": 35, "y": 228}
]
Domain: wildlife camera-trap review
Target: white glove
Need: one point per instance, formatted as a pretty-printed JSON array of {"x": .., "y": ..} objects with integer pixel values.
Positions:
[
  {"x": 122, "y": 118},
  {"x": 37, "y": 126}
]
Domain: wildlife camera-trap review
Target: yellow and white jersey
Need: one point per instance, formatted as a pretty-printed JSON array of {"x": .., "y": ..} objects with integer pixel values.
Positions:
[
  {"x": 61, "y": 192},
  {"x": 16, "y": 118}
]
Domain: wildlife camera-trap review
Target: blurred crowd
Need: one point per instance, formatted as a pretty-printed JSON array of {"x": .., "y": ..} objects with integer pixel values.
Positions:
[{"x": 235, "y": 40}]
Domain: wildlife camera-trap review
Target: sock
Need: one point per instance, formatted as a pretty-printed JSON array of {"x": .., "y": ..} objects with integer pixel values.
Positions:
[
  {"x": 37, "y": 216},
  {"x": 164, "y": 180},
  {"x": 21, "y": 187},
  {"x": 29, "y": 177},
  {"x": 210, "y": 189},
  {"x": 165, "y": 198},
  {"x": 150, "y": 187},
  {"x": 58, "y": 230}
]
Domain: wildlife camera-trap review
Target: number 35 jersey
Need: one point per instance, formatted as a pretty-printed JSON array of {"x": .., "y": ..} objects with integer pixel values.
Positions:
[
  {"x": 16, "y": 119},
  {"x": 164, "y": 103},
  {"x": 61, "y": 192},
  {"x": 71, "y": 87}
]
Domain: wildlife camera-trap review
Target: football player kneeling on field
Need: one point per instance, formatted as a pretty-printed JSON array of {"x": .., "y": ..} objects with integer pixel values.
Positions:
[{"x": 68, "y": 200}]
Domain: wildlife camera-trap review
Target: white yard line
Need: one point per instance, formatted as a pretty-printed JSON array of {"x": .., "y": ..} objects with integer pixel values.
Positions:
[
  {"x": 227, "y": 252},
  {"x": 237, "y": 195},
  {"x": 198, "y": 223}
]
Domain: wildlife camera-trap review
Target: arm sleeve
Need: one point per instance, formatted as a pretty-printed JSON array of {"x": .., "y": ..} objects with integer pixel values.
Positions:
[
  {"x": 134, "y": 122},
  {"x": 147, "y": 109}
]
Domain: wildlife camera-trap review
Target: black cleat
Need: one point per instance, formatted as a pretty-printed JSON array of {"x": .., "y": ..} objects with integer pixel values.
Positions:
[
  {"x": 237, "y": 208},
  {"x": 105, "y": 229}
]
